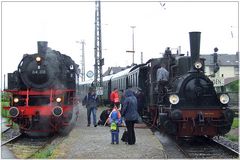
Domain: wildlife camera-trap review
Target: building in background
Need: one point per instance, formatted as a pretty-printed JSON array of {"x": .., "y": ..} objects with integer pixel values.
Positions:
[{"x": 228, "y": 65}]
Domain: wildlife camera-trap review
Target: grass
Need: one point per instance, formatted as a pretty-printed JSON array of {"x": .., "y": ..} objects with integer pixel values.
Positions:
[
  {"x": 4, "y": 112},
  {"x": 232, "y": 134},
  {"x": 235, "y": 123},
  {"x": 233, "y": 138},
  {"x": 43, "y": 154}
]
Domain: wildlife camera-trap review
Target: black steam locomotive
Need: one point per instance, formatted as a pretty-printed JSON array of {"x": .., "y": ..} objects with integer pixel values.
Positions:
[
  {"x": 43, "y": 92},
  {"x": 186, "y": 105}
]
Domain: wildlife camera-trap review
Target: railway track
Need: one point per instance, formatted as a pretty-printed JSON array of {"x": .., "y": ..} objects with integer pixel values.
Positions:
[
  {"x": 199, "y": 147},
  {"x": 22, "y": 146},
  {"x": 202, "y": 147},
  {"x": 15, "y": 138}
]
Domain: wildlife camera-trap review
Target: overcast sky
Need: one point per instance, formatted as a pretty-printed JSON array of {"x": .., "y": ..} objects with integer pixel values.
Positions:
[{"x": 157, "y": 26}]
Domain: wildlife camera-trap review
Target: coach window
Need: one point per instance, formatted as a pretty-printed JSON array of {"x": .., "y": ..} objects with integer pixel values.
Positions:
[
  {"x": 121, "y": 84},
  {"x": 137, "y": 78},
  {"x": 124, "y": 83},
  {"x": 133, "y": 80},
  {"x": 129, "y": 80}
]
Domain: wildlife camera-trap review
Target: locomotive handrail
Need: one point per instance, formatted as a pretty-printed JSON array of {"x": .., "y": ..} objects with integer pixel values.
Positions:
[{"x": 35, "y": 92}]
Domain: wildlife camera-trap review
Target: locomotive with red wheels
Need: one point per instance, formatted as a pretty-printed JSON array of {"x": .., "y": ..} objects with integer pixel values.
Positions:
[{"x": 43, "y": 93}]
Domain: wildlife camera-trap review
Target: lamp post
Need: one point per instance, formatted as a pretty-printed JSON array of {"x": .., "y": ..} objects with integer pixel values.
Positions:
[
  {"x": 133, "y": 41},
  {"x": 132, "y": 51},
  {"x": 82, "y": 61}
]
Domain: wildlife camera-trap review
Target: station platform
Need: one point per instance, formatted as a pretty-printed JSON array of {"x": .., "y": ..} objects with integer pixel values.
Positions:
[{"x": 95, "y": 142}]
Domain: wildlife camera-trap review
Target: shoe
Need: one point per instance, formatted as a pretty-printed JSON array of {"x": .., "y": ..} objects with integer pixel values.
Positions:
[
  {"x": 112, "y": 143},
  {"x": 117, "y": 143},
  {"x": 95, "y": 125},
  {"x": 88, "y": 125}
]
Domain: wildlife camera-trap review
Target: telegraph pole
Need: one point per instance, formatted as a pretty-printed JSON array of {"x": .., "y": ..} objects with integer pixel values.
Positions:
[
  {"x": 99, "y": 61},
  {"x": 132, "y": 51},
  {"x": 133, "y": 42},
  {"x": 83, "y": 62}
]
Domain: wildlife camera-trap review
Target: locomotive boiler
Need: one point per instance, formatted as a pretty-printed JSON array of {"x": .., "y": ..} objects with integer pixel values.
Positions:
[{"x": 43, "y": 90}]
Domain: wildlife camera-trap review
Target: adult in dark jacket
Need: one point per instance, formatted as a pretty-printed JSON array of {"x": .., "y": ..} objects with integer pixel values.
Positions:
[
  {"x": 91, "y": 101},
  {"x": 130, "y": 114}
]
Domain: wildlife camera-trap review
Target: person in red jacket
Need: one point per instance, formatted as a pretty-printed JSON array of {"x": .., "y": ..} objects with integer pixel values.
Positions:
[{"x": 114, "y": 98}]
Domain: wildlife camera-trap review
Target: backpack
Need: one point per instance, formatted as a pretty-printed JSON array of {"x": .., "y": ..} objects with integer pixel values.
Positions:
[
  {"x": 125, "y": 136},
  {"x": 113, "y": 126}
]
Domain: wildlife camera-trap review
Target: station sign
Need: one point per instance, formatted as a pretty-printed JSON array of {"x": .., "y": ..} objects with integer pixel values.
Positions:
[
  {"x": 217, "y": 81},
  {"x": 90, "y": 74},
  {"x": 99, "y": 91}
]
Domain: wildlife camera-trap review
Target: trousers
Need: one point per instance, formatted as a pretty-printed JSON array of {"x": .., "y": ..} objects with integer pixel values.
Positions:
[
  {"x": 92, "y": 110},
  {"x": 115, "y": 136},
  {"x": 131, "y": 132}
]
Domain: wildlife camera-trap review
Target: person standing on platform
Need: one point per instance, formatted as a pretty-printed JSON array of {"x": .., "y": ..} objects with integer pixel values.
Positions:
[
  {"x": 115, "y": 121},
  {"x": 91, "y": 101},
  {"x": 130, "y": 114},
  {"x": 114, "y": 98}
]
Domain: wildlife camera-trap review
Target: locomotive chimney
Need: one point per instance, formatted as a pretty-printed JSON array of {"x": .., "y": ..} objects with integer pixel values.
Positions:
[
  {"x": 194, "y": 46},
  {"x": 42, "y": 47}
]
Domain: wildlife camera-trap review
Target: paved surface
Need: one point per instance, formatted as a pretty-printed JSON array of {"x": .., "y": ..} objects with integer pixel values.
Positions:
[
  {"x": 6, "y": 153},
  {"x": 94, "y": 142}
]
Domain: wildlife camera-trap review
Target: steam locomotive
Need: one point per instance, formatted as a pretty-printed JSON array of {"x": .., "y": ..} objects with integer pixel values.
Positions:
[
  {"x": 187, "y": 105},
  {"x": 43, "y": 90}
]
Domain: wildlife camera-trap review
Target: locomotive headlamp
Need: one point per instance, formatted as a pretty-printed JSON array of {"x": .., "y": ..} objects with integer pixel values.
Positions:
[
  {"x": 38, "y": 59},
  {"x": 224, "y": 98},
  {"x": 173, "y": 99},
  {"x": 59, "y": 99},
  {"x": 16, "y": 100},
  {"x": 198, "y": 65}
]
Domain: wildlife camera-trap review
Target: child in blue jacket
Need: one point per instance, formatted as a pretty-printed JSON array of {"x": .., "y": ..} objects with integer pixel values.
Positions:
[{"x": 115, "y": 120}]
